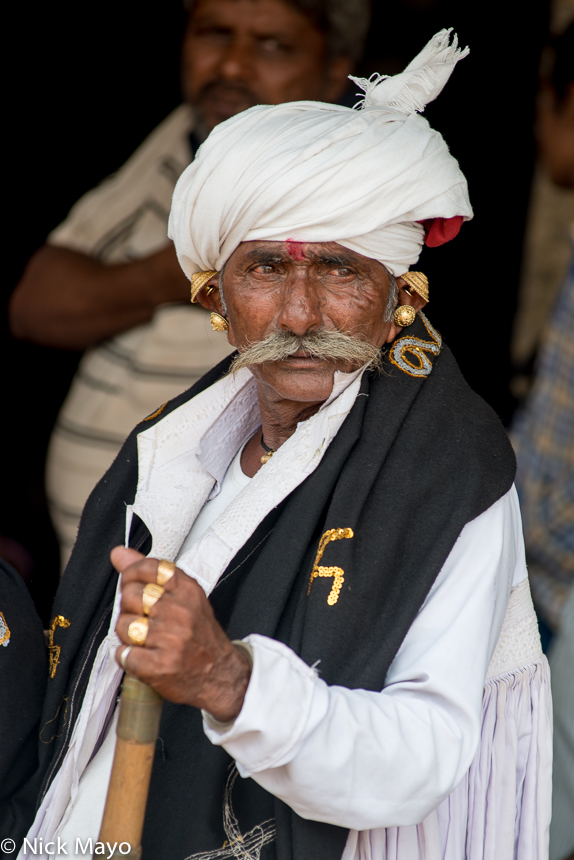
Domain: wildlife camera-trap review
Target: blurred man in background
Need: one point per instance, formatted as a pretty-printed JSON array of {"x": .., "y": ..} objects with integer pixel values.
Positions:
[
  {"x": 108, "y": 280},
  {"x": 544, "y": 441}
]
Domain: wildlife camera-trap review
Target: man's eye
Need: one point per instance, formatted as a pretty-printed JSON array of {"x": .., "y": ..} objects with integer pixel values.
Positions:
[
  {"x": 273, "y": 46},
  {"x": 212, "y": 32},
  {"x": 263, "y": 270},
  {"x": 342, "y": 272}
]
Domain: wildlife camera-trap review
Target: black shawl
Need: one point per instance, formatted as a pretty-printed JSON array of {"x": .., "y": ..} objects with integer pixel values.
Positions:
[
  {"x": 416, "y": 459},
  {"x": 23, "y": 677}
]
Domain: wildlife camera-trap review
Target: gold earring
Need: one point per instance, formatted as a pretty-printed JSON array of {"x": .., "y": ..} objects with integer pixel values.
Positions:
[
  {"x": 419, "y": 282},
  {"x": 404, "y": 315},
  {"x": 219, "y": 323},
  {"x": 198, "y": 281}
]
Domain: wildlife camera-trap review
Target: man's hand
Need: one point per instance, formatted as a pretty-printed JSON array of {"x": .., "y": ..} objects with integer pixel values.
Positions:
[
  {"x": 69, "y": 300},
  {"x": 187, "y": 656}
]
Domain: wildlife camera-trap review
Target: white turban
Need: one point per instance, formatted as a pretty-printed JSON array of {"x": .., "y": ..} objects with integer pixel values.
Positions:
[{"x": 314, "y": 172}]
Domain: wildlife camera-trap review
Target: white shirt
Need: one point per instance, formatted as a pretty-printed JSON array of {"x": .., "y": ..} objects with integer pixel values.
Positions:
[
  {"x": 234, "y": 481},
  {"x": 355, "y": 758}
]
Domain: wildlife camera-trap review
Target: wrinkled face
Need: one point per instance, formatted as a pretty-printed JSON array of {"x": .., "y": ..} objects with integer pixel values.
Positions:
[
  {"x": 304, "y": 288},
  {"x": 239, "y": 53}
]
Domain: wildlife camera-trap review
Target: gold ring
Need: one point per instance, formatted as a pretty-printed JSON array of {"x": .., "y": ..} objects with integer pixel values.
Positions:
[
  {"x": 165, "y": 571},
  {"x": 137, "y": 631},
  {"x": 151, "y": 595}
]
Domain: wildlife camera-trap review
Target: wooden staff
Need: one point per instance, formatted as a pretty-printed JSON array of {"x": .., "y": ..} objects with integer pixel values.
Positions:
[{"x": 137, "y": 731}]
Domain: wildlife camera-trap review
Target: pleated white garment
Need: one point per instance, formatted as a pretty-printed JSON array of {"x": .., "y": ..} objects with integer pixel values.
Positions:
[{"x": 501, "y": 810}]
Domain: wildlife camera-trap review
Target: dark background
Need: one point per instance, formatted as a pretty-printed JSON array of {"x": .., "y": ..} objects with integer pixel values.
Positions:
[{"x": 88, "y": 83}]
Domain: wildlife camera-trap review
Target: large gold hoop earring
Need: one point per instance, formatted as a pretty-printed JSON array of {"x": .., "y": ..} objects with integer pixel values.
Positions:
[{"x": 218, "y": 323}]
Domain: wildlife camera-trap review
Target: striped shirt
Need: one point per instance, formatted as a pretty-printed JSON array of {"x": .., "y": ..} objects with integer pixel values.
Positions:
[{"x": 123, "y": 380}]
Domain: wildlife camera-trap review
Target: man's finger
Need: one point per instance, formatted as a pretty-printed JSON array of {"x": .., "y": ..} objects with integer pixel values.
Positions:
[
  {"x": 139, "y": 662},
  {"x": 123, "y": 557},
  {"x": 146, "y": 570},
  {"x": 132, "y": 597},
  {"x": 122, "y": 627}
]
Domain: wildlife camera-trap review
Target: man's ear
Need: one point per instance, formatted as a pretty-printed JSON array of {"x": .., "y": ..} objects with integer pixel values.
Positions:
[
  {"x": 336, "y": 79},
  {"x": 411, "y": 298},
  {"x": 211, "y": 302}
]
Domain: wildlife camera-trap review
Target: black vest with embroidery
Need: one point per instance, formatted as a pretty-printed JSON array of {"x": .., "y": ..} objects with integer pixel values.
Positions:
[{"x": 338, "y": 572}]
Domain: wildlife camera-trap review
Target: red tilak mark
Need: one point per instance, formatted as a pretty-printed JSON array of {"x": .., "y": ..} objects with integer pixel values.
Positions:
[{"x": 295, "y": 249}]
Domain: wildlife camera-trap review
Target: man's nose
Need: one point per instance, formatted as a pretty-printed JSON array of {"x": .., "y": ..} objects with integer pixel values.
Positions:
[
  {"x": 301, "y": 306},
  {"x": 237, "y": 61}
]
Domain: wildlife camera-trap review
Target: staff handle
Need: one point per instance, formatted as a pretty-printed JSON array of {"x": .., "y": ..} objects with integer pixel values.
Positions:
[{"x": 137, "y": 732}]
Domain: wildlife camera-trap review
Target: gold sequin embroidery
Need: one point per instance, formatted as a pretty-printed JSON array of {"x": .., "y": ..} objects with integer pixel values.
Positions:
[
  {"x": 54, "y": 650},
  {"x": 408, "y": 353},
  {"x": 156, "y": 413},
  {"x": 336, "y": 572},
  {"x": 4, "y": 631}
]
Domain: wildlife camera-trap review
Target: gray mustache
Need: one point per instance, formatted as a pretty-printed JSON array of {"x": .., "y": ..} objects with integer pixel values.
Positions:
[{"x": 329, "y": 345}]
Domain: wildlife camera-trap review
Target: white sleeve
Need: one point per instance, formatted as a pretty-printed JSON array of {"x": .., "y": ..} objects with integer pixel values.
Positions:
[{"x": 364, "y": 759}]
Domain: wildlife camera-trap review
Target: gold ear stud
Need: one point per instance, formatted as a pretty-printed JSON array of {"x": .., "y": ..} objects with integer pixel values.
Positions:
[
  {"x": 218, "y": 323},
  {"x": 404, "y": 315}
]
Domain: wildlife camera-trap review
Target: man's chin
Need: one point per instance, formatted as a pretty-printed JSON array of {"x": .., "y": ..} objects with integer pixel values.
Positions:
[
  {"x": 216, "y": 113},
  {"x": 306, "y": 383}
]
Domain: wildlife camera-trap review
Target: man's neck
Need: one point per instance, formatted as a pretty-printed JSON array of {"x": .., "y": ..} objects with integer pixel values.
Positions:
[{"x": 279, "y": 420}]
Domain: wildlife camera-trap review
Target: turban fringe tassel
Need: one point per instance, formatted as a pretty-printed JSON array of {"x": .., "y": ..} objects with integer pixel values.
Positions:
[{"x": 420, "y": 83}]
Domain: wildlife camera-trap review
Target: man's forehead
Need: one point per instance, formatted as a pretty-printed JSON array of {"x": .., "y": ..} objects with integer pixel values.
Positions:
[
  {"x": 294, "y": 249},
  {"x": 262, "y": 17}
]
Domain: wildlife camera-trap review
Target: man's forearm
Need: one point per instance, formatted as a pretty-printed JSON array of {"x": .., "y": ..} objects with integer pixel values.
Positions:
[{"x": 68, "y": 300}]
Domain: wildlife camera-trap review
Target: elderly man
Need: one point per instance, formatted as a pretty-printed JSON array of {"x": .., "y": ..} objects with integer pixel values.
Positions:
[
  {"x": 331, "y": 518},
  {"x": 109, "y": 276}
]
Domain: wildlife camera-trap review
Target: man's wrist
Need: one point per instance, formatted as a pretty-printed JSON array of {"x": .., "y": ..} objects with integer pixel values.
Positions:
[
  {"x": 222, "y": 717},
  {"x": 244, "y": 648}
]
